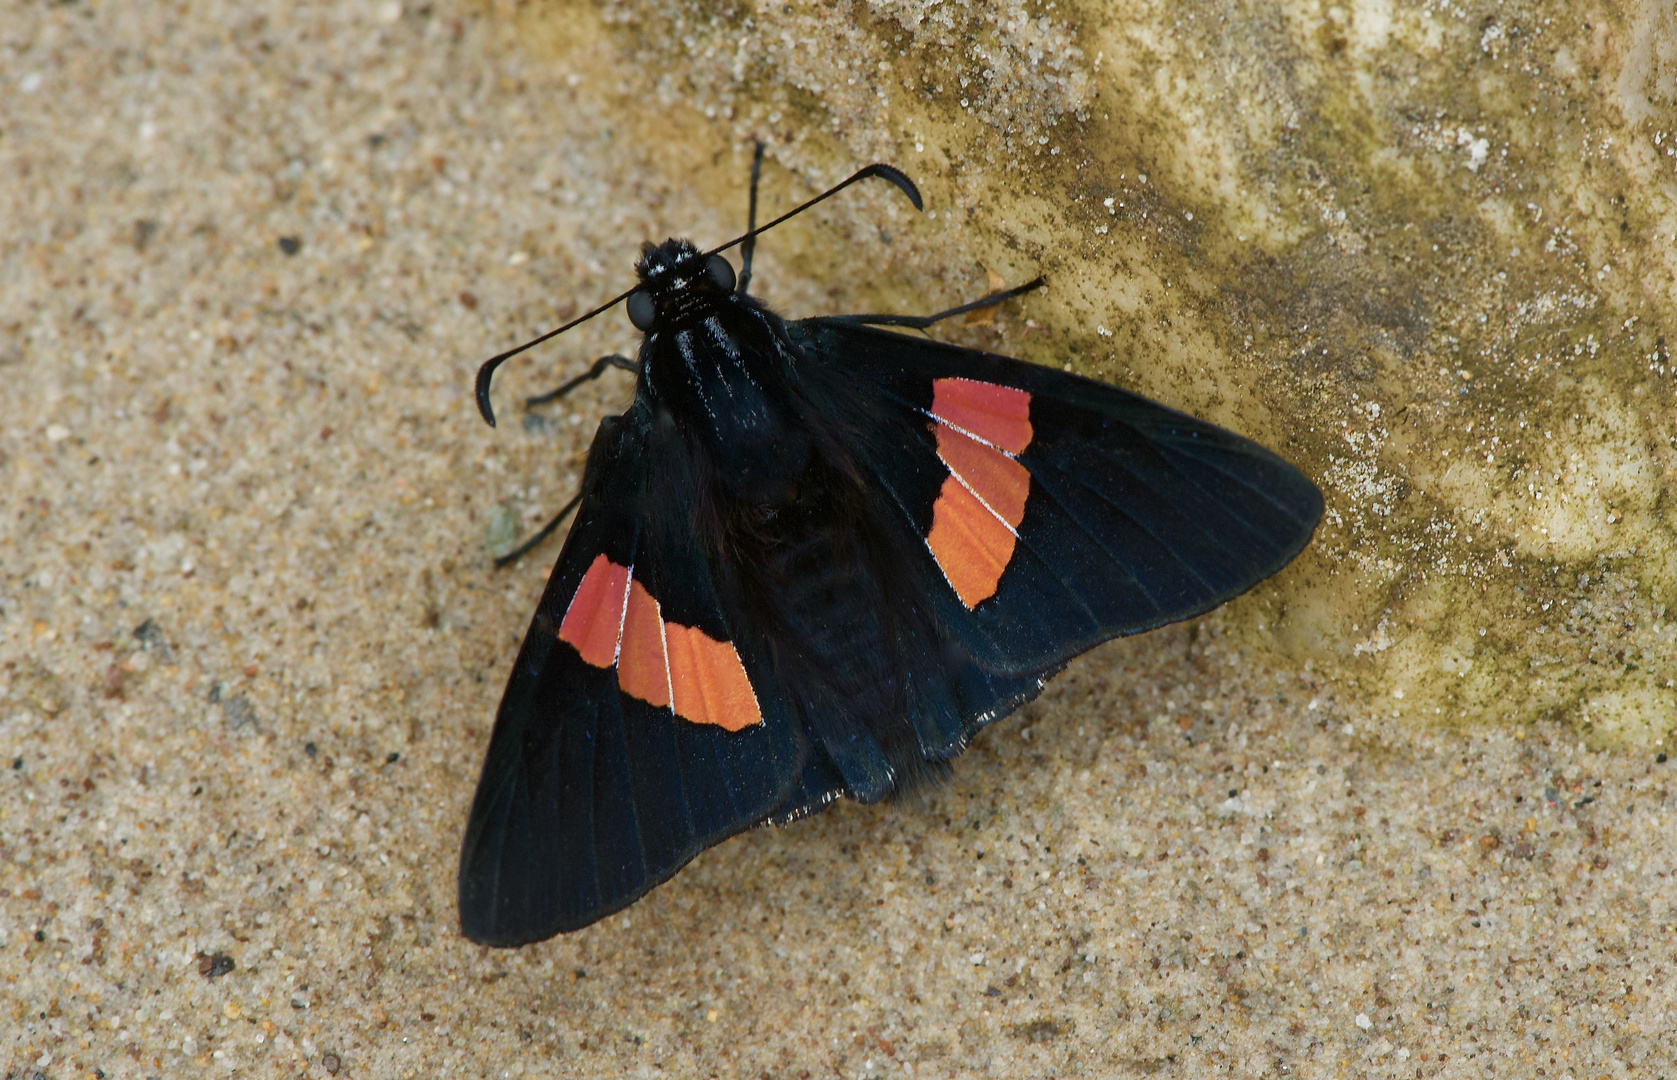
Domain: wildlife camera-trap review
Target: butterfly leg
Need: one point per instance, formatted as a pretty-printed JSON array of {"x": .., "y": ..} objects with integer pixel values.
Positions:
[
  {"x": 623, "y": 363},
  {"x": 749, "y": 248},
  {"x": 599, "y": 367},
  {"x": 546, "y": 531},
  {"x": 920, "y": 322}
]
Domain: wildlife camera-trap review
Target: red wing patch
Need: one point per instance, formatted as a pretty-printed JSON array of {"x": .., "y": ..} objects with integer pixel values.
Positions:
[
  {"x": 978, "y": 511},
  {"x": 594, "y": 619},
  {"x": 613, "y": 619},
  {"x": 1001, "y": 482},
  {"x": 1000, "y": 415}
]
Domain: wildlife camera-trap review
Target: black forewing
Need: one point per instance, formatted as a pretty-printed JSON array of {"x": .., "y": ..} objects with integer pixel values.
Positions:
[
  {"x": 590, "y": 797},
  {"x": 1138, "y": 515}
]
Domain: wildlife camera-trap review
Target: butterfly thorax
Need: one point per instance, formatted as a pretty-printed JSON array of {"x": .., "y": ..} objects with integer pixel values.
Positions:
[{"x": 715, "y": 363}]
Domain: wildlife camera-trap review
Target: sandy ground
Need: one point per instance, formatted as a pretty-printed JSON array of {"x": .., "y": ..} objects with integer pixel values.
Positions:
[{"x": 250, "y": 643}]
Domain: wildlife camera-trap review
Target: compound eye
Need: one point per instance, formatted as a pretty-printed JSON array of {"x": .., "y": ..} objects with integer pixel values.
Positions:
[
  {"x": 642, "y": 311},
  {"x": 720, "y": 272}
]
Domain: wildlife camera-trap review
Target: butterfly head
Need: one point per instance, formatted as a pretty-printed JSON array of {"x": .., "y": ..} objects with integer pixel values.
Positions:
[{"x": 678, "y": 283}]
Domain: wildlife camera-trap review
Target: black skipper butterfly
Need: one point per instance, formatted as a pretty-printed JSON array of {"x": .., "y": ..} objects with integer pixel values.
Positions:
[{"x": 811, "y": 560}]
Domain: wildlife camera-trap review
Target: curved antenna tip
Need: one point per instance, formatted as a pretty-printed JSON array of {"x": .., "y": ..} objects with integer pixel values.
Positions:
[
  {"x": 487, "y": 371},
  {"x": 891, "y": 173},
  {"x": 484, "y": 375},
  {"x": 897, "y": 177}
]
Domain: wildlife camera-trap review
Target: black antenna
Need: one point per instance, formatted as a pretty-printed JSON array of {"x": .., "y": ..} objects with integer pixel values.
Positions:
[
  {"x": 750, "y": 247},
  {"x": 487, "y": 371},
  {"x": 884, "y": 172}
]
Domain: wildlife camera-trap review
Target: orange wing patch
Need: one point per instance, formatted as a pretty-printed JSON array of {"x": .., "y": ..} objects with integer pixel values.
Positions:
[
  {"x": 969, "y": 542},
  {"x": 613, "y": 619},
  {"x": 981, "y": 504},
  {"x": 708, "y": 680},
  {"x": 642, "y": 669},
  {"x": 1000, "y": 415}
]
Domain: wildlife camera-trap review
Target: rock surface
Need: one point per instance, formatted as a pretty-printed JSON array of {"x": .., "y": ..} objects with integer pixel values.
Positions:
[
  {"x": 1425, "y": 249},
  {"x": 250, "y": 640}
]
